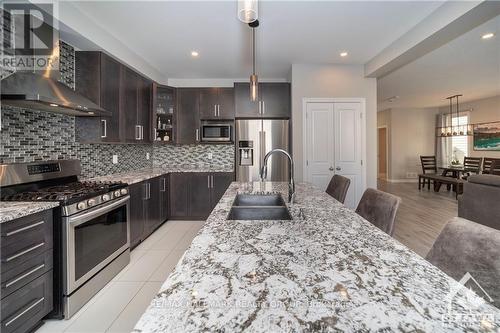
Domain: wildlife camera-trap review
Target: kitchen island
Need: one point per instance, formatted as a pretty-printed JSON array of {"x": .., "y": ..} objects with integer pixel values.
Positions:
[{"x": 327, "y": 270}]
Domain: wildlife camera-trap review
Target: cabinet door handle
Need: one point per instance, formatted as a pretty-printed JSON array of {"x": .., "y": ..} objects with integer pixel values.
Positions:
[
  {"x": 197, "y": 134},
  {"x": 260, "y": 108},
  {"x": 149, "y": 191},
  {"x": 142, "y": 132},
  {"x": 208, "y": 180},
  {"x": 263, "y": 107},
  {"x": 13, "y": 232},
  {"x": 145, "y": 197},
  {"x": 17, "y": 255},
  {"x": 19, "y": 278},
  {"x": 212, "y": 176},
  {"x": 218, "y": 110},
  {"x": 137, "y": 132},
  {"x": 19, "y": 315},
  {"x": 215, "y": 110},
  {"x": 104, "y": 124}
]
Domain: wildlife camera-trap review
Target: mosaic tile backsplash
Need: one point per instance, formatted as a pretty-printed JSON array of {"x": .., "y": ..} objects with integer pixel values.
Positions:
[
  {"x": 29, "y": 135},
  {"x": 222, "y": 155}
]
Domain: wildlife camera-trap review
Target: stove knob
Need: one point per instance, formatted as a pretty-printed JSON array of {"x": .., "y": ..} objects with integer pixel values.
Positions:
[
  {"x": 117, "y": 193},
  {"x": 105, "y": 197},
  {"x": 81, "y": 205},
  {"x": 123, "y": 191},
  {"x": 91, "y": 202}
]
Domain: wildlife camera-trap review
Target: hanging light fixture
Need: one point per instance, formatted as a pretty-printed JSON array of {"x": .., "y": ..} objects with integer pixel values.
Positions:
[
  {"x": 248, "y": 11},
  {"x": 254, "y": 81}
]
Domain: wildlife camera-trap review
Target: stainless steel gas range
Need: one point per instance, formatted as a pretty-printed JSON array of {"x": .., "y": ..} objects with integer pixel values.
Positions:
[{"x": 91, "y": 226}]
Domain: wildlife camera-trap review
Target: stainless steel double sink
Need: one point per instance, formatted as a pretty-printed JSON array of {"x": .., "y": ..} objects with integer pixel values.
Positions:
[{"x": 259, "y": 207}]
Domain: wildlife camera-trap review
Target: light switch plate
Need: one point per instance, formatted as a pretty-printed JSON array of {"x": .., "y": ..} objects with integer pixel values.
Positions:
[
  {"x": 210, "y": 156},
  {"x": 115, "y": 159},
  {"x": 147, "y": 156}
]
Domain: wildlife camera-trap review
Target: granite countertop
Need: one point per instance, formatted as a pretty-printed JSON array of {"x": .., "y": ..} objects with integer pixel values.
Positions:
[
  {"x": 331, "y": 271},
  {"x": 140, "y": 175},
  {"x": 11, "y": 210}
]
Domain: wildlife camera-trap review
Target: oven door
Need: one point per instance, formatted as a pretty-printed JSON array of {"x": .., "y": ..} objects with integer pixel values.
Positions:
[
  {"x": 216, "y": 133},
  {"x": 93, "y": 239}
]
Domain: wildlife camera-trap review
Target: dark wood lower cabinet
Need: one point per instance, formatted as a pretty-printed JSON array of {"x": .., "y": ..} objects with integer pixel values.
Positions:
[
  {"x": 148, "y": 208},
  {"x": 194, "y": 195}
]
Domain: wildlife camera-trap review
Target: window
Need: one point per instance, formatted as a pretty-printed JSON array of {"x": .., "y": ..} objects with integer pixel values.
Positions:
[{"x": 460, "y": 144}]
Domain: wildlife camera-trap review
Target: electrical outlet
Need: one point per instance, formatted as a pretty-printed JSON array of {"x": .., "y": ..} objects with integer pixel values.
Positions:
[
  {"x": 115, "y": 159},
  {"x": 210, "y": 156},
  {"x": 147, "y": 156}
]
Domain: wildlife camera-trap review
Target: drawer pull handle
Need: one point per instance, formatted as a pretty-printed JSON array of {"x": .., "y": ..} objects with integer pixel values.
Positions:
[
  {"x": 17, "y": 255},
  {"x": 24, "y": 228},
  {"x": 19, "y": 278},
  {"x": 24, "y": 311}
]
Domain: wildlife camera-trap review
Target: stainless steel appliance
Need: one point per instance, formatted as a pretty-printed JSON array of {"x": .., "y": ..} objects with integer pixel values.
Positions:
[
  {"x": 91, "y": 226},
  {"x": 256, "y": 137},
  {"x": 216, "y": 132}
]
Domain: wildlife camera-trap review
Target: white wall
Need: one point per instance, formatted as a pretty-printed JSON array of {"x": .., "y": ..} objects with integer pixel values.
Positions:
[
  {"x": 484, "y": 110},
  {"x": 411, "y": 134},
  {"x": 334, "y": 81}
]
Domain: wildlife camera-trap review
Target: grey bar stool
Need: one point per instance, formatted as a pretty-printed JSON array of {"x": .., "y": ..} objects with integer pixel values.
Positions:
[
  {"x": 379, "y": 208},
  {"x": 338, "y": 186},
  {"x": 468, "y": 247}
]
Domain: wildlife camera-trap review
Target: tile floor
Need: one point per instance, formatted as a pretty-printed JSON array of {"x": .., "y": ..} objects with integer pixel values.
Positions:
[{"x": 119, "y": 305}]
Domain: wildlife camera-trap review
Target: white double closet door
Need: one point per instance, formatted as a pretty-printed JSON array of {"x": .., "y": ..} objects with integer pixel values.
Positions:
[{"x": 333, "y": 145}]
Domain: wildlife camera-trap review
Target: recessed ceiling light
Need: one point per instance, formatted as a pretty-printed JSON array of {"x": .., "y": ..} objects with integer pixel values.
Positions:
[
  {"x": 488, "y": 35},
  {"x": 53, "y": 104},
  {"x": 194, "y": 53},
  {"x": 343, "y": 54}
]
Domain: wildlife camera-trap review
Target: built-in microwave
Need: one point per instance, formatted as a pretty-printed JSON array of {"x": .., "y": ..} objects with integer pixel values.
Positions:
[{"x": 216, "y": 132}]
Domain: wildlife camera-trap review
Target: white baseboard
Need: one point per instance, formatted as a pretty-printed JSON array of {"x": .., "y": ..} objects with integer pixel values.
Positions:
[{"x": 402, "y": 180}]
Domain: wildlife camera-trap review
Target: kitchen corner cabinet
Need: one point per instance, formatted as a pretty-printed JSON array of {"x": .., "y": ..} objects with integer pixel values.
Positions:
[
  {"x": 194, "y": 195},
  {"x": 274, "y": 101},
  {"x": 117, "y": 89},
  {"x": 98, "y": 77},
  {"x": 148, "y": 208},
  {"x": 216, "y": 103},
  {"x": 188, "y": 116}
]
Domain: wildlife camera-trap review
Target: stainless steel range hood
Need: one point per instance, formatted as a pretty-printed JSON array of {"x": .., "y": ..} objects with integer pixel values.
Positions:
[
  {"x": 35, "y": 91},
  {"x": 40, "y": 89}
]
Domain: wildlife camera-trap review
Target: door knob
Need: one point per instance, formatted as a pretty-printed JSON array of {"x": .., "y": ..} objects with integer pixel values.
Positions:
[
  {"x": 338, "y": 168},
  {"x": 330, "y": 168}
]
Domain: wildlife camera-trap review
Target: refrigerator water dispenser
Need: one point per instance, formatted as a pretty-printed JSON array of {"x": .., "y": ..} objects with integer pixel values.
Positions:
[{"x": 246, "y": 153}]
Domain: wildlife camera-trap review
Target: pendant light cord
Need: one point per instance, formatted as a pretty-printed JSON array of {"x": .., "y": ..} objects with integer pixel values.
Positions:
[{"x": 253, "y": 48}]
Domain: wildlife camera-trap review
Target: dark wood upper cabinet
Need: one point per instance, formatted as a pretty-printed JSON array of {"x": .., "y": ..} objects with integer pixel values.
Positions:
[
  {"x": 188, "y": 120},
  {"x": 98, "y": 77},
  {"x": 243, "y": 106},
  {"x": 217, "y": 103},
  {"x": 274, "y": 101},
  {"x": 163, "y": 115},
  {"x": 117, "y": 89}
]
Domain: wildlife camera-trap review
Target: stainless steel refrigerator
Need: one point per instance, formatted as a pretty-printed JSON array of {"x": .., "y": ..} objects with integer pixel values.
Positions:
[{"x": 255, "y": 138}]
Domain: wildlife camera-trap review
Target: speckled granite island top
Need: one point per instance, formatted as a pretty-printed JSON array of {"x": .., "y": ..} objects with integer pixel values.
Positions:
[
  {"x": 329, "y": 272},
  {"x": 138, "y": 176},
  {"x": 11, "y": 210}
]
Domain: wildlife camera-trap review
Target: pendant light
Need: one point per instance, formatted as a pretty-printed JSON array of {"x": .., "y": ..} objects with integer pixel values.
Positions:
[
  {"x": 254, "y": 81},
  {"x": 248, "y": 11}
]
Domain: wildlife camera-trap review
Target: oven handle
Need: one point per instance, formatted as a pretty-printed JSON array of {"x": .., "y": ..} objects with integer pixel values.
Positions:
[{"x": 82, "y": 218}]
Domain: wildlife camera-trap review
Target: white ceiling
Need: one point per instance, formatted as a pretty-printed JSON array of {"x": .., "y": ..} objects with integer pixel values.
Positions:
[
  {"x": 165, "y": 32},
  {"x": 467, "y": 65}
]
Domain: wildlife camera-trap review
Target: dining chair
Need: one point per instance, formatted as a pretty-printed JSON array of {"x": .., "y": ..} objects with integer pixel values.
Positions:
[
  {"x": 472, "y": 165},
  {"x": 429, "y": 167},
  {"x": 338, "y": 186},
  {"x": 495, "y": 167},
  {"x": 487, "y": 161},
  {"x": 379, "y": 208},
  {"x": 465, "y": 247}
]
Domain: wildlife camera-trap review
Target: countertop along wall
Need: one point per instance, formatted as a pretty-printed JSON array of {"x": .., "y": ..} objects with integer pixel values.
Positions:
[
  {"x": 330, "y": 81},
  {"x": 484, "y": 110}
]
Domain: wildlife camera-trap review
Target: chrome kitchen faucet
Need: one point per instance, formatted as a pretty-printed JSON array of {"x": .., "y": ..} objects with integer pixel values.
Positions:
[{"x": 291, "y": 184}]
